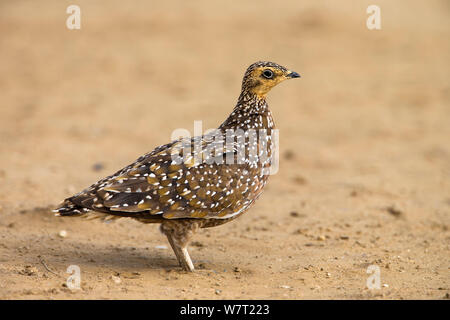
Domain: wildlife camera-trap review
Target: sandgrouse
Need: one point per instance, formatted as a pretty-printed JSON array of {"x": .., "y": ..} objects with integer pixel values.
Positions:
[{"x": 197, "y": 182}]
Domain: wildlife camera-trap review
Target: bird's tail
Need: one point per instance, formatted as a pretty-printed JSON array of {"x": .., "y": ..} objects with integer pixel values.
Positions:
[{"x": 68, "y": 208}]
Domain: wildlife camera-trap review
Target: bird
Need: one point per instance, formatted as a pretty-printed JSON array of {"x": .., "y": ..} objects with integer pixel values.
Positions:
[{"x": 195, "y": 182}]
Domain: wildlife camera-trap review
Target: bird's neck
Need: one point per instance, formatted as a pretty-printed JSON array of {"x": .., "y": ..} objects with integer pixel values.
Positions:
[{"x": 251, "y": 112}]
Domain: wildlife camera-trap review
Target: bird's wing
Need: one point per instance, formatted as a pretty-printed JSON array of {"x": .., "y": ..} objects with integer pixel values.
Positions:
[{"x": 190, "y": 187}]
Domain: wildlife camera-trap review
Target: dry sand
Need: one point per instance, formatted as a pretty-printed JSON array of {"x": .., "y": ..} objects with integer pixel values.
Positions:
[{"x": 364, "y": 140}]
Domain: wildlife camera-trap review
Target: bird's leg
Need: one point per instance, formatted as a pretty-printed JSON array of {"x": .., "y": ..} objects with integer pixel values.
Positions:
[
  {"x": 182, "y": 254},
  {"x": 179, "y": 233}
]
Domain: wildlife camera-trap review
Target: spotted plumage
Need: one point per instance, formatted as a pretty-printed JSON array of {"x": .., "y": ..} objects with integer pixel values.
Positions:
[{"x": 197, "y": 182}]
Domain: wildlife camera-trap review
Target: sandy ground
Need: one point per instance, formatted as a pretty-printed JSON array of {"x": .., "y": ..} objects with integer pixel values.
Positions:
[{"x": 364, "y": 140}]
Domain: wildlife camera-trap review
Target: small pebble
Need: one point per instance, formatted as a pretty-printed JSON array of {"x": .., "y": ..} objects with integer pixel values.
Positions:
[
  {"x": 62, "y": 233},
  {"x": 300, "y": 180},
  {"x": 98, "y": 166},
  {"x": 116, "y": 279},
  {"x": 29, "y": 271},
  {"x": 394, "y": 211},
  {"x": 289, "y": 155}
]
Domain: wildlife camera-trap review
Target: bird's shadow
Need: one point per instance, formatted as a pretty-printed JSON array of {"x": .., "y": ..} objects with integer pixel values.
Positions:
[
  {"x": 122, "y": 258},
  {"x": 129, "y": 259}
]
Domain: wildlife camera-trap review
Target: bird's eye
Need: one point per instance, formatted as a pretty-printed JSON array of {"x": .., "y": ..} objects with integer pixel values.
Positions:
[{"x": 268, "y": 74}]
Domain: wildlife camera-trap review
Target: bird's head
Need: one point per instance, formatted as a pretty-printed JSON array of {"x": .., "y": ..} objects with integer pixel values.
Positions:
[{"x": 262, "y": 76}]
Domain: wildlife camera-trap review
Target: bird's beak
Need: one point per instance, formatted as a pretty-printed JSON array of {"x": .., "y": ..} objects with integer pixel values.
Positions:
[{"x": 292, "y": 74}]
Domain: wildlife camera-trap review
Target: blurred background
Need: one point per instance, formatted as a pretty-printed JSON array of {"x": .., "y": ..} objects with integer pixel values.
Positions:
[{"x": 364, "y": 134}]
